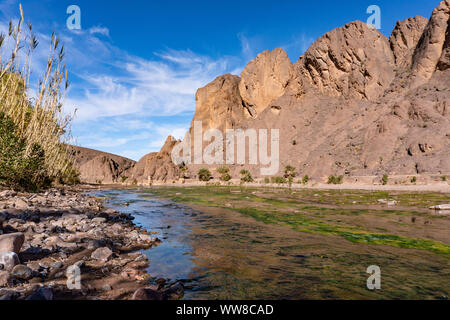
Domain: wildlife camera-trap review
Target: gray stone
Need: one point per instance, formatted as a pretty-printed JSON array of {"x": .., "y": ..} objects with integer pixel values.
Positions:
[
  {"x": 21, "y": 204},
  {"x": 102, "y": 254},
  {"x": 8, "y": 260},
  {"x": 11, "y": 242},
  {"x": 99, "y": 220},
  {"x": 22, "y": 272}
]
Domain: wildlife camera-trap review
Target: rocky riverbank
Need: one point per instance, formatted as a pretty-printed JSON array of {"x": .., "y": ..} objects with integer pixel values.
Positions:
[{"x": 46, "y": 238}]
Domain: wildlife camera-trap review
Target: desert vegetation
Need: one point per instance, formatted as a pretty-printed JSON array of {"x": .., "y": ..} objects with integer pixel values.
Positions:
[{"x": 33, "y": 128}]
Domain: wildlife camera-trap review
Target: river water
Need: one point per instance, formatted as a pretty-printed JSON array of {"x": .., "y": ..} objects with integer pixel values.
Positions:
[{"x": 219, "y": 254}]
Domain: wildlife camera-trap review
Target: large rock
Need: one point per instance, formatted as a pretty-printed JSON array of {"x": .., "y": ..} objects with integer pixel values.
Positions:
[
  {"x": 404, "y": 39},
  {"x": 265, "y": 79},
  {"x": 11, "y": 242},
  {"x": 8, "y": 260},
  {"x": 22, "y": 272},
  {"x": 353, "y": 61},
  {"x": 431, "y": 46},
  {"x": 102, "y": 254}
]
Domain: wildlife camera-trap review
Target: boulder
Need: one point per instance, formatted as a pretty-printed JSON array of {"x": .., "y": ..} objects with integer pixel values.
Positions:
[
  {"x": 102, "y": 254},
  {"x": 22, "y": 272},
  {"x": 8, "y": 260},
  {"x": 11, "y": 242}
]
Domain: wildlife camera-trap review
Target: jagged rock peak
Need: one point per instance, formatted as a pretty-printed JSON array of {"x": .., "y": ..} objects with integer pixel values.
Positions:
[
  {"x": 354, "y": 61},
  {"x": 265, "y": 79},
  {"x": 404, "y": 39},
  {"x": 431, "y": 49}
]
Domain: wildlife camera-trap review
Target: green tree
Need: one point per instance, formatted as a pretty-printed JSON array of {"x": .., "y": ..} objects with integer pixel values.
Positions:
[
  {"x": 246, "y": 176},
  {"x": 290, "y": 174}
]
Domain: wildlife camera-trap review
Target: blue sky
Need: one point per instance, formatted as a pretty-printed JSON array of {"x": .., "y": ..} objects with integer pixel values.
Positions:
[{"x": 135, "y": 65}]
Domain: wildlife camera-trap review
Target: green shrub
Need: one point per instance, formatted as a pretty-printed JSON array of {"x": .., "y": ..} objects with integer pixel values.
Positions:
[
  {"x": 19, "y": 169},
  {"x": 290, "y": 174},
  {"x": 246, "y": 176},
  {"x": 413, "y": 180},
  {"x": 224, "y": 174},
  {"x": 305, "y": 179},
  {"x": 124, "y": 178},
  {"x": 444, "y": 178},
  {"x": 204, "y": 175},
  {"x": 385, "y": 179},
  {"x": 266, "y": 180},
  {"x": 335, "y": 180}
]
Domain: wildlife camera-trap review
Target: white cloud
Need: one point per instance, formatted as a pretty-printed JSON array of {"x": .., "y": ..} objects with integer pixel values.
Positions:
[{"x": 99, "y": 30}]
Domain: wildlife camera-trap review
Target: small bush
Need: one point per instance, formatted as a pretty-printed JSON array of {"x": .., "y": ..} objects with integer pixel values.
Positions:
[
  {"x": 204, "y": 175},
  {"x": 305, "y": 179},
  {"x": 124, "y": 178},
  {"x": 385, "y": 179},
  {"x": 444, "y": 178},
  {"x": 290, "y": 174},
  {"x": 224, "y": 174},
  {"x": 413, "y": 180},
  {"x": 335, "y": 180},
  {"x": 246, "y": 176},
  {"x": 294, "y": 143},
  {"x": 266, "y": 180}
]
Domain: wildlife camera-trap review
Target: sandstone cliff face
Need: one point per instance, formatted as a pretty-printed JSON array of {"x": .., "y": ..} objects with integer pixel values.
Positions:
[
  {"x": 219, "y": 104},
  {"x": 404, "y": 39},
  {"x": 431, "y": 45},
  {"x": 99, "y": 167},
  {"x": 354, "y": 61},
  {"x": 265, "y": 79}
]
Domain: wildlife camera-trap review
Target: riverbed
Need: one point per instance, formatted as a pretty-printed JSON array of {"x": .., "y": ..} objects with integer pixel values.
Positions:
[{"x": 221, "y": 251}]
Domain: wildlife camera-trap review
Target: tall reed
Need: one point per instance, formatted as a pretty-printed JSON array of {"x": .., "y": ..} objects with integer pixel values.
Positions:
[{"x": 39, "y": 119}]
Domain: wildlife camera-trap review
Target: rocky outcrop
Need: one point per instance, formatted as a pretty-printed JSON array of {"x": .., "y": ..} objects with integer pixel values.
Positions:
[
  {"x": 157, "y": 166},
  {"x": 431, "y": 45},
  {"x": 219, "y": 104},
  {"x": 265, "y": 79},
  {"x": 354, "y": 61},
  {"x": 404, "y": 39},
  {"x": 99, "y": 167}
]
